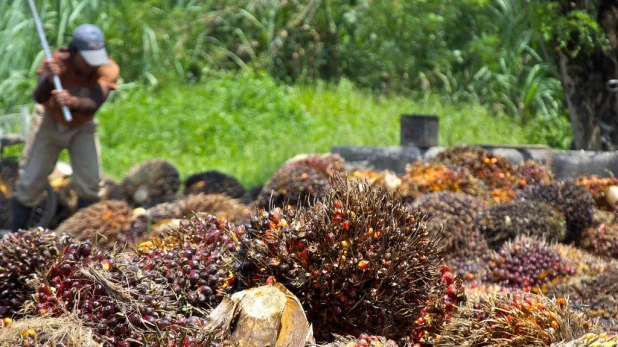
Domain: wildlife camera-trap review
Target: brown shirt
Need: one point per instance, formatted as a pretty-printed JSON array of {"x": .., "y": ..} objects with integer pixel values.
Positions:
[{"x": 79, "y": 85}]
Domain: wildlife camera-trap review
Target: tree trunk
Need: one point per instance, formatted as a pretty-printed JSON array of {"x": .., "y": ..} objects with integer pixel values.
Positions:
[{"x": 584, "y": 79}]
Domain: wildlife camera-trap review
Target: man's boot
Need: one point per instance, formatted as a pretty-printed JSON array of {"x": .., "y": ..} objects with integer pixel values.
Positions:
[
  {"x": 21, "y": 215},
  {"x": 81, "y": 203}
]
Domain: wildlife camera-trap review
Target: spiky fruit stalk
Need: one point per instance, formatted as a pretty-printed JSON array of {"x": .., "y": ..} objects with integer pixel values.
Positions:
[
  {"x": 595, "y": 295},
  {"x": 106, "y": 223},
  {"x": 67, "y": 331},
  {"x": 591, "y": 340},
  {"x": 505, "y": 221},
  {"x": 528, "y": 264},
  {"x": 24, "y": 255},
  {"x": 513, "y": 319},
  {"x": 358, "y": 260},
  {"x": 151, "y": 182},
  {"x": 572, "y": 200}
]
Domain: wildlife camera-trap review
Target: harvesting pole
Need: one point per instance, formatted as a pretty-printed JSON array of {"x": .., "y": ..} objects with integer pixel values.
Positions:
[{"x": 39, "y": 28}]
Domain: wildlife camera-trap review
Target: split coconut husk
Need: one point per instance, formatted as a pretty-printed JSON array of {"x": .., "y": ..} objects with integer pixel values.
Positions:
[{"x": 264, "y": 316}]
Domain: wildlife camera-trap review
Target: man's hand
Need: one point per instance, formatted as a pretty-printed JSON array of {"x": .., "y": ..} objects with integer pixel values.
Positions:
[
  {"x": 51, "y": 67},
  {"x": 63, "y": 98}
]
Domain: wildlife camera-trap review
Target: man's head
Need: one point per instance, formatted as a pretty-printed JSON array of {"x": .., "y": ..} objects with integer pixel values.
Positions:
[{"x": 89, "y": 41}]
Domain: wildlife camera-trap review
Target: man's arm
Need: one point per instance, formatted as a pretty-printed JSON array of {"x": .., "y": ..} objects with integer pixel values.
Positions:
[
  {"x": 86, "y": 105},
  {"x": 43, "y": 90}
]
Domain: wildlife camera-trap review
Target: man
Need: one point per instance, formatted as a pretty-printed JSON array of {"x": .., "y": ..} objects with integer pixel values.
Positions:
[{"x": 88, "y": 75}]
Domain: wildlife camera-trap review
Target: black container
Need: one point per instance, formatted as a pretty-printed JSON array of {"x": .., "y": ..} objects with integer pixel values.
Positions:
[{"x": 419, "y": 130}]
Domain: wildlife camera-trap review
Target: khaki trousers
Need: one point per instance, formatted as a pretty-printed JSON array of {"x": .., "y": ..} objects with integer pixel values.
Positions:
[{"x": 47, "y": 138}]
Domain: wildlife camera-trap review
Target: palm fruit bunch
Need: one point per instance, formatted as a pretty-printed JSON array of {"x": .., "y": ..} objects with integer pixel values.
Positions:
[
  {"x": 65, "y": 331},
  {"x": 220, "y": 205},
  {"x": 513, "y": 319},
  {"x": 110, "y": 294},
  {"x": 214, "y": 182},
  {"x": 452, "y": 215},
  {"x": 359, "y": 261},
  {"x": 386, "y": 179},
  {"x": 585, "y": 263},
  {"x": 575, "y": 203},
  {"x": 151, "y": 182},
  {"x": 591, "y": 340},
  {"x": 422, "y": 178},
  {"x": 528, "y": 264},
  {"x": 23, "y": 255},
  {"x": 532, "y": 172},
  {"x": 106, "y": 223},
  {"x": 362, "y": 340},
  {"x": 497, "y": 172},
  {"x": 112, "y": 190},
  {"x": 507, "y": 220},
  {"x": 301, "y": 180},
  {"x": 600, "y": 240},
  {"x": 194, "y": 260},
  {"x": 594, "y": 295},
  {"x": 9, "y": 171},
  {"x": 599, "y": 188},
  {"x": 149, "y": 222}
]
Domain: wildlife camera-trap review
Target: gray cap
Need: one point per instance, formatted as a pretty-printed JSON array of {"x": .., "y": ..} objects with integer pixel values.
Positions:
[{"x": 88, "y": 39}]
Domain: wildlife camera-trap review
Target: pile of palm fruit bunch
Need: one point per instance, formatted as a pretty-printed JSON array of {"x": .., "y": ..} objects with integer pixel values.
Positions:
[{"x": 464, "y": 250}]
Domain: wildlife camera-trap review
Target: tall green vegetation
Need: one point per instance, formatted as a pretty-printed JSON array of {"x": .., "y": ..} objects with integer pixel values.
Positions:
[
  {"x": 464, "y": 50},
  {"x": 247, "y": 125}
]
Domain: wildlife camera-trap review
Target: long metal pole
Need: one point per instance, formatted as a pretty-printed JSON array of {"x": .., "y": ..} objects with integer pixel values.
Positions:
[{"x": 39, "y": 28}]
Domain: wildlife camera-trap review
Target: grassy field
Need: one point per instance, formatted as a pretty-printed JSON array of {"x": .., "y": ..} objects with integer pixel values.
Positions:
[{"x": 247, "y": 125}]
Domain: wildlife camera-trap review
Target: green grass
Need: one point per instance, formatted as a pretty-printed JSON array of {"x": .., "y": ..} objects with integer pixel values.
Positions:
[{"x": 247, "y": 126}]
